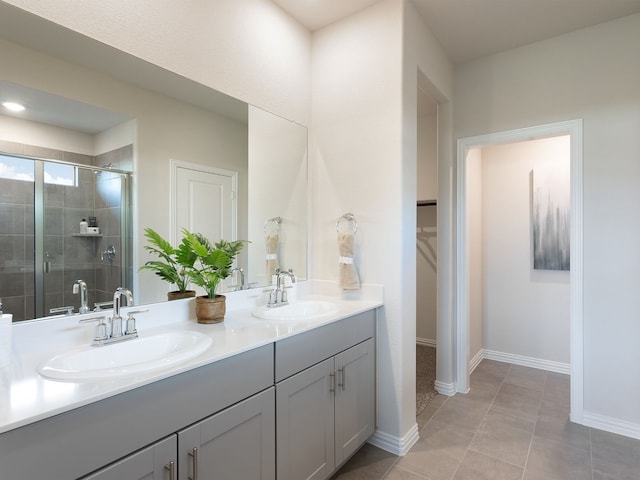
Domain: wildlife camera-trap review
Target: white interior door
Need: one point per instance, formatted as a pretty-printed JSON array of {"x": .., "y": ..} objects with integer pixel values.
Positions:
[{"x": 204, "y": 201}]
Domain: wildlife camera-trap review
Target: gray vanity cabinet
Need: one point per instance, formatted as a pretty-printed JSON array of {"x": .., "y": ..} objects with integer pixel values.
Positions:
[
  {"x": 156, "y": 462},
  {"x": 245, "y": 417},
  {"x": 326, "y": 411},
  {"x": 235, "y": 444}
]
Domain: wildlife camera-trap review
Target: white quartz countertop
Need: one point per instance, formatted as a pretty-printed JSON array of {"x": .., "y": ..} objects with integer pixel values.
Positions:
[{"x": 26, "y": 396}]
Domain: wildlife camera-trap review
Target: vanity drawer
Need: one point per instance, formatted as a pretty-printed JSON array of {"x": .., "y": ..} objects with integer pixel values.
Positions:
[{"x": 301, "y": 351}]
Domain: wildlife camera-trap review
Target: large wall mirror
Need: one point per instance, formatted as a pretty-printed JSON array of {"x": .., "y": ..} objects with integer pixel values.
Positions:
[{"x": 104, "y": 136}]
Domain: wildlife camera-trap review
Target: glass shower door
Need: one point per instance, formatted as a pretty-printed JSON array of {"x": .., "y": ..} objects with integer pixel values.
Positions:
[
  {"x": 95, "y": 253},
  {"x": 42, "y": 249}
]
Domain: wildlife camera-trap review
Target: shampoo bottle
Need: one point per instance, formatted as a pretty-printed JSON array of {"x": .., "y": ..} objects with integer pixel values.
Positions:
[{"x": 83, "y": 226}]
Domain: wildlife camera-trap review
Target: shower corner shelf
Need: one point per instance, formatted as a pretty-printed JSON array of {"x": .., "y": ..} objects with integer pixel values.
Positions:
[{"x": 94, "y": 235}]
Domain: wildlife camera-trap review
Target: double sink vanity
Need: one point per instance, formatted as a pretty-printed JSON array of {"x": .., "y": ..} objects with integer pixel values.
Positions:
[{"x": 286, "y": 393}]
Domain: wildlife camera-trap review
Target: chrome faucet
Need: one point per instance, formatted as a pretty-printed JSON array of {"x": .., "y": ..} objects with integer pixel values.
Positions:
[
  {"x": 81, "y": 287},
  {"x": 242, "y": 285},
  {"x": 278, "y": 297},
  {"x": 116, "y": 320},
  {"x": 105, "y": 335}
]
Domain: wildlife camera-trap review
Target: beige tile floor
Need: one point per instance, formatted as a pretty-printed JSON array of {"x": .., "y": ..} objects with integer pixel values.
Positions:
[{"x": 512, "y": 425}]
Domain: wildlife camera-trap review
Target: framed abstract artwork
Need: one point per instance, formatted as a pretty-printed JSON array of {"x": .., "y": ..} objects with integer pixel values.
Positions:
[{"x": 551, "y": 213}]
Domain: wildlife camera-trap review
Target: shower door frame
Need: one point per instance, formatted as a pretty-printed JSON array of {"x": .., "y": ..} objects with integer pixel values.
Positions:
[{"x": 39, "y": 217}]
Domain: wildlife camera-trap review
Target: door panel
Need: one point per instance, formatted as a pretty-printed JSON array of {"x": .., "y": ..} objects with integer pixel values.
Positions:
[
  {"x": 204, "y": 203},
  {"x": 235, "y": 444},
  {"x": 305, "y": 427},
  {"x": 355, "y": 398}
]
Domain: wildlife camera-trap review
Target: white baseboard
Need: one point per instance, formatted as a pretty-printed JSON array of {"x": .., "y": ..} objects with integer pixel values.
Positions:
[
  {"x": 427, "y": 342},
  {"x": 476, "y": 360},
  {"x": 448, "y": 389},
  {"x": 612, "y": 425},
  {"x": 396, "y": 445},
  {"x": 532, "y": 362}
]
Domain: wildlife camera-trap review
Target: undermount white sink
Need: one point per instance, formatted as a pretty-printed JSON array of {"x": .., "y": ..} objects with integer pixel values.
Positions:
[
  {"x": 303, "y": 310},
  {"x": 131, "y": 357}
]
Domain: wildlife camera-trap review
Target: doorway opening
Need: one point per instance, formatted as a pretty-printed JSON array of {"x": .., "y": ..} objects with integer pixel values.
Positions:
[
  {"x": 426, "y": 245},
  {"x": 465, "y": 245}
]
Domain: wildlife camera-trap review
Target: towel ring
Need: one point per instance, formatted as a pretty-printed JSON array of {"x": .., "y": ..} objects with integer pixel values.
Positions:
[
  {"x": 276, "y": 221},
  {"x": 347, "y": 217}
]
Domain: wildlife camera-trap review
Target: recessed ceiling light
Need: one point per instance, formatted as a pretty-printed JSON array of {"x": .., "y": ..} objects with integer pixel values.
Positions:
[{"x": 13, "y": 106}]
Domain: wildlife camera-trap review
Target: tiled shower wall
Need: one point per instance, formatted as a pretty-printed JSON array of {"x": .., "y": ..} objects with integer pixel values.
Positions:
[{"x": 71, "y": 257}]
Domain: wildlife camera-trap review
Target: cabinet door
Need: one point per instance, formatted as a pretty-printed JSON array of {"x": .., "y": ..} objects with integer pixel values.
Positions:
[
  {"x": 355, "y": 399},
  {"x": 155, "y": 462},
  {"x": 304, "y": 412},
  {"x": 236, "y": 444}
]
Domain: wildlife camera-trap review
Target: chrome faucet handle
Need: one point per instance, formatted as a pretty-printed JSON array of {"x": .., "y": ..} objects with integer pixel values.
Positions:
[
  {"x": 272, "y": 297},
  {"x": 292, "y": 275},
  {"x": 68, "y": 310},
  {"x": 101, "y": 328},
  {"x": 97, "y": 307},
  {"x": 131, "y": 322}
]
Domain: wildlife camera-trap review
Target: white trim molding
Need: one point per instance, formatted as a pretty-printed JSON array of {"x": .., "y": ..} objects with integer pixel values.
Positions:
[
  {"x": 573, "y": 128},
  {"x": 475, "y": 361},
  {"x": 532, "y": 362},
  {"x": 427, "y": 342},
  {"x": 612, "y": 425},
  {"x": 448, "y": 389},
  {"x": 396, "y": 445}
]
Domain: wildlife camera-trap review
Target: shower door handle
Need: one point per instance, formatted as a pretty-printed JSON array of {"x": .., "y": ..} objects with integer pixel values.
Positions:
[{"x": 47, "y": 266}]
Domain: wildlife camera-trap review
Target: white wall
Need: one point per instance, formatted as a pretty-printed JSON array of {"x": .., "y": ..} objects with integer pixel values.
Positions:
[
  {"x": 357, "y": 167},
  {"x": 428, "y": 156},
  {"x": 33, "y": 133},
  {"x": 248, "y": 49},
  {"x": 364, "y": 160},
  {"x": 591, "y": 74},
  {"x": 524, "y": 311},
  {"x": 425, "y": 60}
]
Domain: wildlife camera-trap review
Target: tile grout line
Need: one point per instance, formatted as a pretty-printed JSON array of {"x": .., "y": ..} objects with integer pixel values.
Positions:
[
  {"x": 590, "y": 453},
  {"x": 535, "y": 426},
  {"x": 468, "y": 449}
]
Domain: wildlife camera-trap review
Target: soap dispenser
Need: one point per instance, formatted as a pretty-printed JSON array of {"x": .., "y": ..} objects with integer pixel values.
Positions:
[
  {"x": 83, "y": 226},
  {"x": 5, "y": 337}
]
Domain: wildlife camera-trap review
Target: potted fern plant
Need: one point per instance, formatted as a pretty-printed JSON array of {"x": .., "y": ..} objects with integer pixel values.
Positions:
[
  {"x": 212, "y": 263},
  {"x": 173, "y": 264}
]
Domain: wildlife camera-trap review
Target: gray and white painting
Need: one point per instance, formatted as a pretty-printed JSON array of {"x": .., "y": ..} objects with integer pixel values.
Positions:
[{"x": 551, "y": 215}]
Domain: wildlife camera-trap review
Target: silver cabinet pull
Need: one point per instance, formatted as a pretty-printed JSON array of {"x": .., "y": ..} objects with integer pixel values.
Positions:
[
  {"x": 341, "y": 382},
  {"x": 172, "y": 470},
  {"x": 332, "y": 382},
  {"x": 194, "y": 456}
]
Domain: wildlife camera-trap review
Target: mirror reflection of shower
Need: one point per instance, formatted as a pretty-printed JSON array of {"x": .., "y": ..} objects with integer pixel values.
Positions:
[{"x": 63, "y": 216}]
